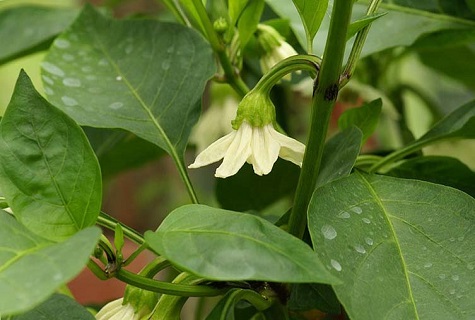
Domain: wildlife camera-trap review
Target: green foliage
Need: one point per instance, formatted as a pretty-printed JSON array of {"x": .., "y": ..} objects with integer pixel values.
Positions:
[
  {"x": 312, "y": 13},
  {"x": 365, "y": 118},
  {"x": 403, "y": 243},
  {"x": 244, "y": 247}
]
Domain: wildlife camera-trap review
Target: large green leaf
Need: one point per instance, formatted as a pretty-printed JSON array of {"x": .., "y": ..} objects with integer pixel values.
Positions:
[
  {"x": 400, "y": 27},
  {"x": 49, "y": 173},
  {"x": 225, "y": 245},
  {"x": 32, "y": 268},
  {"x": 26, "y": 29},
  {"x": 312, "y": 13},
  {"x": 57, "y": 307},
  {"x": 143, "y": 76},
  {"x": 403, "y": 248}
]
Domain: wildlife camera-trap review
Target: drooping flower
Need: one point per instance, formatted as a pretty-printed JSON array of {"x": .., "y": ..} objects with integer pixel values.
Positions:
[
  {"x": 254, "y": 140},
  {"x": 116, "y": 310},
  {"x": 275, "y": 48}
]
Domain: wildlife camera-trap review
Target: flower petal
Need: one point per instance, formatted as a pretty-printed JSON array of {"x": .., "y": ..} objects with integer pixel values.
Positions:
[
  {"x": 214, "y": 152},
  {"x": 290, "y": 149},
  {"x": 265, "y": 150},
  {"x": 238, "y": 152}
]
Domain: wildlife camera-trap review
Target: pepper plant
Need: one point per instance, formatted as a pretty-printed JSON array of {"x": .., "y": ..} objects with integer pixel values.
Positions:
[{"x": 365, "y": 224}]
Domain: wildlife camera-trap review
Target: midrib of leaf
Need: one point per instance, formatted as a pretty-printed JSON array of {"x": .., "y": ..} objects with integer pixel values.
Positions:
[
  {"x": 393, "y": 232},
  {"x": 423, "y": 13},
  {"x": 19, "y": 255},
  {"x": 269, "y": 246}
]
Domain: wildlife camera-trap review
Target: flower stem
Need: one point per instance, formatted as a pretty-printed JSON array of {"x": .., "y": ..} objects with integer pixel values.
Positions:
[{"x": 326, "y": 92}]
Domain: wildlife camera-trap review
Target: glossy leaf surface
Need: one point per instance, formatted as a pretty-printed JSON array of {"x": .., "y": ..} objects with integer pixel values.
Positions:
[
  {"x": 225, "y": 245},
  {"x": 403, "y": 248},
  {"x": 32, "y": 268},
  {"x": 143, "y": 76},
  {"x": 49, "y": 173}
]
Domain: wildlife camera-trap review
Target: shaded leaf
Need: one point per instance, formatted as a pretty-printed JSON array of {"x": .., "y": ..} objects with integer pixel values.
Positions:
[
  {"x": 143, "y": 76},
  {"x": 58, "y": 307},
  {"x": 28, "y": 28},
  {"x": 32, "y": 268},
  {"x": 49, "y": 173},
  {"x": 443, "y": 170},
  {"x": 249, "y": 19},
  {"x": 248, "y": 191},
  {"x": 365, "y": 118},
  {"x": 224, "y": 245},
  {"x": 404, "y": 248},
  {"x": 312, "y": 13},
  {"x": 311, "y": 296}
]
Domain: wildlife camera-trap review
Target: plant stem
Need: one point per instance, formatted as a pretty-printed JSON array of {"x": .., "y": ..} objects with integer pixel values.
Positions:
[
  {"x": 358, "y": 45},
  {"x": 399, "y": 154},
  {"x": 324, "y": 100}
]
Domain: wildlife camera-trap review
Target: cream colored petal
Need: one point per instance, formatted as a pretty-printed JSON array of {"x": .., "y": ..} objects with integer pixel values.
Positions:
[
  {"x": 265, "y": 150},
  {"x": 290, "y": 149},
  {"x": 238, "y": 152},
  {"x": 214, "y": 152},
  {"x": 109, "y": 310}
]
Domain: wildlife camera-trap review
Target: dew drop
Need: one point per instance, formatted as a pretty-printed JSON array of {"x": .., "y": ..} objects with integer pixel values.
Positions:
[
  {"x": 48, "y": 90},
  {"x": 129, "y": 49},
  {"x": 470, "y": 267},
  {"x": 366, "y": 220},
  {"x": 116, "y": 105},
  {"x": 424, "y": 248},
  {"x": 166, "y": 65},
  {"x": 461, "y": 238},
  {"x": 369, "y": 241},
  {"x": 359, "y": 248},
  {"x": 53, "y": 69},
  {"x": 62, "y": 43},
  {"x": 357, "y": 210},
  {"x": 47, "y": 79},
  {"x": 103, "y": 62},
  {"x": 428, "y": 265},
  {"x": 171, "y": 49},
  {"x": 69, "y": 101},
  {"x": 57, "y": 276},
  {"x": 91, "y": 77},
  {"x": 329, "y": 232},
  {"x": 118, "y": 78},
  {"x": 72, "y": 82},
  {"x": 452, "y": 239},
  {"x": 86, "y": 69},
  {"x": 344, "y": 215},
  {"x": 452, "y": 291},
  {"x": 442, "y": 276},
  {"x": 336, "y": 265},
  {"x": 68, "y": 57},
  {"x": 455, "y": 277}
]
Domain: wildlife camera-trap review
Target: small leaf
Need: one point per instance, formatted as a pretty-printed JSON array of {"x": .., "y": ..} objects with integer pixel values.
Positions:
[
  {"x": 32, "y": 268},
  {"x": 224, "y": 245},
  {"x": 442, "y": 170},
  {"x": 49, "y": 173},
  {"x": 58, "y": 306},
  {"x": 403, "y": 248},
  {"x": 365, "y": 118},
  {"x": 339, "y": 155},
  {"x": 143, "y": 76},
  {"x": 357, "y": 25},
  {"x": 28, "y": 28},
  {"x": 249, "y": 19},
  {"x": 311, "y": 12},
  {"x": 236, "y": 8}
]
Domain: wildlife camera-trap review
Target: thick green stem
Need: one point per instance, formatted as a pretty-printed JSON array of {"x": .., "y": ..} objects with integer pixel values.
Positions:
[{"x": 324, "y": 100}]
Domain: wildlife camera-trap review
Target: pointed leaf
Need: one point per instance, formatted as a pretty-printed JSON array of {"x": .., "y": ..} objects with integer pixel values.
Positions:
[
  {"x": 365, "y": 118},
  {"x": 27, "y": 29},
  {"x": 32, "y": 268},
  {"x": 250, "y": 17},
  {"x": 58, "y": 306},
  {"x": 357, "y": 25},
  {"x": 225, "y": 245},
  {"x": 312, "y": 13},
  {"x": 49, "y": 173},
  {"x": 143, "y": 76},
  {"x": 404, "y": 248}
]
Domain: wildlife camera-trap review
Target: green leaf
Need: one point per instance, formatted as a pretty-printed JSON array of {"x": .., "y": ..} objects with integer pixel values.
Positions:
[
  {"x": 442, "y": 170},
  {"x": 224, "y": 245},
  {"x": 356, "y": 26},
  {"x": 49, "y": 173},
  {"x": 249, "y": 19},
  {"x": 32, "y": 268},
  {"x": 339, "y": 155},
  {"x": 403, "y": 248},
  {"x": 143, "y": 76},
  {"x": 236, "y": 7},
  {"x": 365, "y": 118},
  {"x": 248, "y": 191},
  {"x": 312, "y": 13},
  {"x": 28, "y": 28},
  {"x": 58, "y": 306}
]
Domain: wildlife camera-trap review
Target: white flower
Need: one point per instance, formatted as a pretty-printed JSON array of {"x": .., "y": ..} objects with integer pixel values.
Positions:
[
  {"x": 259, "y": 146},
  {"x": 279, "y": 53},
  {"x": 115, "y": 310}
]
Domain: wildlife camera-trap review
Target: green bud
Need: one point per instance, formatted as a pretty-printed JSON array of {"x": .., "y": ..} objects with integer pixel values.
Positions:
[{"x": 220, "y": 25}]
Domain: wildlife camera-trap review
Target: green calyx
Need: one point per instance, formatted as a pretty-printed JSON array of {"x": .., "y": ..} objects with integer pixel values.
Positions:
[{"x": 255, "y": 108}]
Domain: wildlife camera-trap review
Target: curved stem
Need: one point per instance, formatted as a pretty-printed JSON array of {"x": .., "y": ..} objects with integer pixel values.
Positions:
[
  {"x": 165, "y": 287},
  {"x": 399, "y": 154},
  {"x": 367, "y": 159},
  {"x": 324, "y": 100},
  {"x": 358, "y": 46},
  {"x": 109, "y": 222}
]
